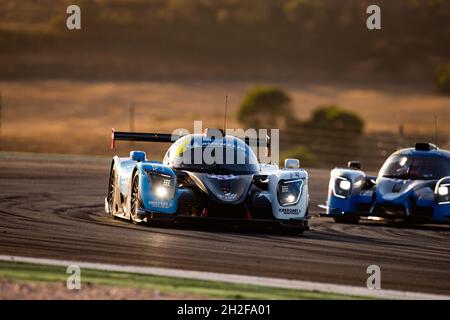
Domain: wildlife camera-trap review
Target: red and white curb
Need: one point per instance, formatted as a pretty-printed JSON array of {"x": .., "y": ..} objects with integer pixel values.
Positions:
[{"x": 236, "y": 279}]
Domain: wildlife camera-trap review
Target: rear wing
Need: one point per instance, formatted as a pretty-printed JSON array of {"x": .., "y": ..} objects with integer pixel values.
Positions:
[
  {"x": 169, "y": 138},
  {"x": 143, "y": 137}
]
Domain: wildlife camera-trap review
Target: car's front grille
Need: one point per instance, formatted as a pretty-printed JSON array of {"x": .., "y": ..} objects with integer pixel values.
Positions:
[{"x": 393, "y": 209}]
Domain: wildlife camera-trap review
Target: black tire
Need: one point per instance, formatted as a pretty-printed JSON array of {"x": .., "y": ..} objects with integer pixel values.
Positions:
[
  {"x": 291, "y": 232},
  {"x": 349, "y": 219},
  {"x": 294, "y": 229},
  {"x": 111, "y": 192},
  {"x": 134, "y": 200}
]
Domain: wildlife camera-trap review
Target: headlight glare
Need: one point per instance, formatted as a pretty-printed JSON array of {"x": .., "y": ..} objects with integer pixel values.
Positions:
[
  {"x": 342, "y": 187},
  {"x": 161, "y": 192},
  {"x": 345, "y": 185},
  {"x": 289, "y": 191},
  {"x": 443, "y": 191},
  {"x": 162, "y": 185},
  {"x": 290, "y": 198}
]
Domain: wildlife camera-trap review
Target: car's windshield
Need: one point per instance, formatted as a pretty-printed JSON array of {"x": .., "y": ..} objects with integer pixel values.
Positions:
[
  {"x": 415, "y": 167},
  {"x": 220, "y": 158}
]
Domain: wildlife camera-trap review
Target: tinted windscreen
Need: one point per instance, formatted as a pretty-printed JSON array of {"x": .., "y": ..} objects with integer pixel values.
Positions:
[
  {"x": 220, "y": 160},
  {"x": 415, "y": 167}
]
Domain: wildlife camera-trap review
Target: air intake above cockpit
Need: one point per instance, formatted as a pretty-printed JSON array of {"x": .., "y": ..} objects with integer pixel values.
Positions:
[{"x": 425, "y": 146}]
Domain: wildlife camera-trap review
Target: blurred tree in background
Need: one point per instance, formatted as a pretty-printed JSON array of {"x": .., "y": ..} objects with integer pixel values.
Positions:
[
  {"x": 265, "y": 107},
  {"x": 330, "y": 135},
  {"x": 333, "y": 134},
  {"x": 311, "y": 39},
  {"x": 332, "y": 118},
  {"x": 296, "y": 41},
  {"x": 301, "y": 152}
]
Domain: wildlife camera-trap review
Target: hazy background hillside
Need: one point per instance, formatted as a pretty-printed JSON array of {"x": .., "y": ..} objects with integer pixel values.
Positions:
[
  {"x": 175, "y": 60},
  {"x": 160, "y": 39}
]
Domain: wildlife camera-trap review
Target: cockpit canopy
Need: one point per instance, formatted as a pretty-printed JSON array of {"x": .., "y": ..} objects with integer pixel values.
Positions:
[
  {"x": 200, "y": 153},
  {"x": 415, "y": 166}
]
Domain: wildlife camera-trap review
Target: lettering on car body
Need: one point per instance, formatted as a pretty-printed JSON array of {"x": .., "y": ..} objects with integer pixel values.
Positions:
[
  {"x": 159, "y": 204},
  {"x": 289, "y": 210}
]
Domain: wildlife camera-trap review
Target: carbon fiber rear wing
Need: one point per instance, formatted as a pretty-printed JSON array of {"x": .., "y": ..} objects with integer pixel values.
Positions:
[
  {"x": 168, "y": 138},
  {"x": 143, "y": 137}
]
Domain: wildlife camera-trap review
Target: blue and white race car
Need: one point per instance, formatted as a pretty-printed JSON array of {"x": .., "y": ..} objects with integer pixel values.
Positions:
[
  {"x": 180, "y": 188},
  {"x": 413, "y": 184}
]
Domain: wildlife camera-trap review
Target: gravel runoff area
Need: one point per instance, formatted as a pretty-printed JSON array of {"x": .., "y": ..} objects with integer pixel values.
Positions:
[{"x": 19, "y": 290}]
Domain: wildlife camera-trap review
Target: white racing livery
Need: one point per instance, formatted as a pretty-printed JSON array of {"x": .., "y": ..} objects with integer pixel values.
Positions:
[{"x": 181, "y": 188}]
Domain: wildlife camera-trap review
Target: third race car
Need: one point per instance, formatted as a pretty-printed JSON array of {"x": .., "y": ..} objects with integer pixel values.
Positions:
[{"x": 413, "y": 184}]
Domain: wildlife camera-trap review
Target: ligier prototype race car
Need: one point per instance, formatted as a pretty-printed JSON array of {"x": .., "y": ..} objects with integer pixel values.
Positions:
[
  {"x": 183, "y": 188},
  {"x": 413, "y": 184}
]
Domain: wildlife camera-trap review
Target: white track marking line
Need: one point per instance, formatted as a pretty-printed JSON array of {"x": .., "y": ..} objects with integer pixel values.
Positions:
[{"x": 236, "y": 279}]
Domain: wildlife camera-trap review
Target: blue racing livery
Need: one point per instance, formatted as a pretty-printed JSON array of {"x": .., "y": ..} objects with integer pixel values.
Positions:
[
  {"x": 186, "y": 185},
  {"x": 413, "y": 184}
]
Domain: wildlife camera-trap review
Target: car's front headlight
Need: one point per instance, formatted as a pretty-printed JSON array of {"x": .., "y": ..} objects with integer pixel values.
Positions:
[
  {"x": 289, "y": 191},
  {"x": 443, "y": 193},
  {"x": 342, "y": 187},
  {"x": 162, "y": 185},
  {"x": 345, "y": 185}
]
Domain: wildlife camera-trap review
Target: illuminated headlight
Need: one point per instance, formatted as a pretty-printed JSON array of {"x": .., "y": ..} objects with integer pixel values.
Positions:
[
  {"x": 443, "y": 191},
  {"x": 162, "y": 185},
  {"x": 161, "y": 192},
  {"x": 345, "y": 185},
  {"x": 342, "y": 187},
  {"x": 443, "y": 194},
  {"x": 290, "y": 198},
  {"x": 289, "y": 191}
]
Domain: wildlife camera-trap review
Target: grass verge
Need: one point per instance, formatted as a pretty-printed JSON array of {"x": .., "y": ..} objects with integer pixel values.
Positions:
[{"x": 212, "y": 289}]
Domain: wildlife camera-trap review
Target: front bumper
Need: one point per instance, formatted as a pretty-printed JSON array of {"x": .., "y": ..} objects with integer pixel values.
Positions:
[
  {"x": 294, "y": 224},
  {"x": 422, "y": 212}
]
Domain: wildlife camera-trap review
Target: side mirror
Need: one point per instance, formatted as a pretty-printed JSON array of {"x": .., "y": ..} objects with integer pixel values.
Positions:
[
  {"x": 138, "y": 156},
  {"x": 291, "y": 163},
  {"x": 356, "y": 165}
]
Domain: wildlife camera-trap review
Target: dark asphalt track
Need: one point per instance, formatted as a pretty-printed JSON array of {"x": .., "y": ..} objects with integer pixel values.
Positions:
[{"x": 53, "y": 208}]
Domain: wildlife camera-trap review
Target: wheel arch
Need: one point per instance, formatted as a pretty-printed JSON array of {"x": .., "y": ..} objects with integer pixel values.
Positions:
[
  {"x": 110, "y": 175},
  {"x": 130, "y": 190}
]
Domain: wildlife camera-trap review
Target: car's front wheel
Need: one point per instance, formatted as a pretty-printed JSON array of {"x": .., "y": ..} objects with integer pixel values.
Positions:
[
  {"x": 112, "y": 193},
  {"x": 350, "y": 219},
  {"x": 135, "y": 203}
]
